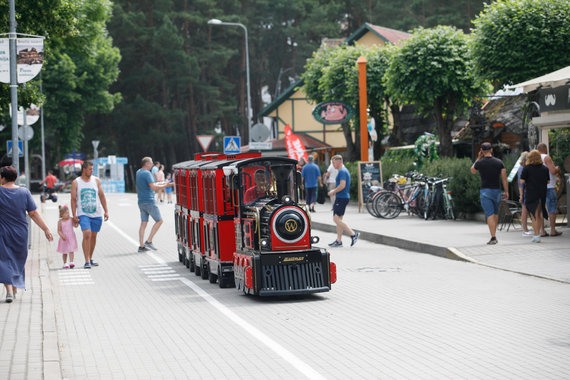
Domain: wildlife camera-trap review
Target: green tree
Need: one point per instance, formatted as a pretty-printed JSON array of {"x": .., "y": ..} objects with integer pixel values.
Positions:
[
  {"x": 332, "y": 75},
  {"x": 517, "y": 40},
  {"x": 80, "y": 64},
  {"x": 432, "y": 71}
]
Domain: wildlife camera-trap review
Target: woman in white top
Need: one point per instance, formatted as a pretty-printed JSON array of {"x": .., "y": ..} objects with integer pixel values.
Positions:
[{"x": 330, "y": 177}]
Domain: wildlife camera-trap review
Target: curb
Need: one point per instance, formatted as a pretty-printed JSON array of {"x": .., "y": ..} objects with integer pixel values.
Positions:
[{"x": 446, "y": 252}]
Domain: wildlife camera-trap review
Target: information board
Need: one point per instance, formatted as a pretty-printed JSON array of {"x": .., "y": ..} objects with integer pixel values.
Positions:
[{"x": 369, "y": 174}]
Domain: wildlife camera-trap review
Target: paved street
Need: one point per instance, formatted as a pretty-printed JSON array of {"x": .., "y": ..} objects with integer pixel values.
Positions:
[{"x": 392, "y": 314}]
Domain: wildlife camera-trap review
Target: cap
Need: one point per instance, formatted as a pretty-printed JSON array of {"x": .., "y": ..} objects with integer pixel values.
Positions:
[{"x": 486, "y": 146}]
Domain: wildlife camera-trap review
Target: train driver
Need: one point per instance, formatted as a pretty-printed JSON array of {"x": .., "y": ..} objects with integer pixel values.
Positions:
[{"x": 258, "y": 190}]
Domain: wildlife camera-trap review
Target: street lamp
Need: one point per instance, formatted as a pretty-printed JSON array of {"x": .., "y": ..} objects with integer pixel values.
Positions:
[{"x": 249, "y": 116}]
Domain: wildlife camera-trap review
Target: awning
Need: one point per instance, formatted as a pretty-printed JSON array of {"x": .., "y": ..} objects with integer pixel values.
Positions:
[
  {"x": 553, "y": 79},
  {"x": 69, "y": 161}
]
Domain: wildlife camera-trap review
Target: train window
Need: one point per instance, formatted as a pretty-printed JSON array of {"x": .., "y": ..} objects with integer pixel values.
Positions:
[{"x": 270, "y": 180}]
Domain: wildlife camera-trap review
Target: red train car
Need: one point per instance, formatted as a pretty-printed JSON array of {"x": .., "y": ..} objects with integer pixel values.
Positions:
[{"x": 240, "y": 223}]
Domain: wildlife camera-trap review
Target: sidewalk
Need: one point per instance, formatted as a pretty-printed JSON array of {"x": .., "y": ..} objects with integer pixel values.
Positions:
[{"x": 460, "y": 240}]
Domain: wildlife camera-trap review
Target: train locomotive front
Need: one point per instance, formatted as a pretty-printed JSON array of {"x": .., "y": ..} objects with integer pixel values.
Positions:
[
  {"x": 274, "y": 247},
  {"x": 240, "y": 222}
]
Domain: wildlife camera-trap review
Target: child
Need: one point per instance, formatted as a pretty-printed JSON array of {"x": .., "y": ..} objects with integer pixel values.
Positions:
[
  {"x": 169, "y": 189},
  {"x": 67, "y": 241}
]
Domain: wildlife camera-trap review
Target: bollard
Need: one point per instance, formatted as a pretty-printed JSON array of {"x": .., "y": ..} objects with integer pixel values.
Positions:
[{"x": 567, "y": 175}]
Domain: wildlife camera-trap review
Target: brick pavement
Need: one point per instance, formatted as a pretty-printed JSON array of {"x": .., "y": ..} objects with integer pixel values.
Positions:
[
  {"x": 460, "y": 239},
  {"x": 392, "y": 314}
]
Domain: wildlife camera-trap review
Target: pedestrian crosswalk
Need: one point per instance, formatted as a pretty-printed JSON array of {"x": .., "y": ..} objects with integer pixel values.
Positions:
[
  {"x": 159, "y": 272},
  {"x": 75, "y": 277}
]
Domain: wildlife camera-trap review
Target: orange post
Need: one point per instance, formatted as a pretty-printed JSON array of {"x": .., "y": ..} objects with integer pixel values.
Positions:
[{"x": 363, "y": 100}]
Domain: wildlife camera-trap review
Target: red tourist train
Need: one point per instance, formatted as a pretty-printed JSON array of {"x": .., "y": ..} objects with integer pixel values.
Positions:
[{"x": 239, "y": 222}]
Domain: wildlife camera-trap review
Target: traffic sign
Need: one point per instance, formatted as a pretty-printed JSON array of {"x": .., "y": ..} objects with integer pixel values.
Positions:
[
  {"x": 205, "y": 141},
  {"x": 232, "y": 144},
  {"x": 25, "y": 133},
  {"x": 20, "y": 148}
]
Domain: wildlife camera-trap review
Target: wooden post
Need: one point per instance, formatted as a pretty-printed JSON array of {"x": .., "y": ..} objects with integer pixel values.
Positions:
[{"x": 363, "y": 100}]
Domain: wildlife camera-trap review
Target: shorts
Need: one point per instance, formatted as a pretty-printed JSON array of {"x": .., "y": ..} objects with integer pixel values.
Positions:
[
  {"x": 310, "y": 195},
  {"x": 340, "y": 206},
  {"x": 149, "y": 209},
  {"x": 551, "y": 201},
  {"x": 490, "y": 199},
  {"x": 88, "y": 223}
]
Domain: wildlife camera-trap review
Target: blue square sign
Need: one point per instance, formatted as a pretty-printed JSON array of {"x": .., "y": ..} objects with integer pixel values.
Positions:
[
  {"x": 232, "y": 145},
  {"x": 20, "y": 148}
]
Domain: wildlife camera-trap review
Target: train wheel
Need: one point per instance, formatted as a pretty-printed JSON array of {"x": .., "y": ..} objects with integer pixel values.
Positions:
[
  {"x": 197, "y": 269},
  {"x": 213, "y": 278},
  {"x": 203, "y": 270},
  {"x": 192, "y": 265},
  {"x": 186, "y": 261}
]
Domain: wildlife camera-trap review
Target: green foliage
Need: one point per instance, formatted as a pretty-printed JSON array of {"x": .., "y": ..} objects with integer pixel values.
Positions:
[
  {"x": 352, "y": 168},
  {"x": 332, "y": 75},
  {"x": 425, "y": 150},
  {"x": 397, "y": 154},
  {"x": 432, "y": 71},
  {"x": 464, "y": 186},
  {"x": 517, "y": 40},
  {"x": 559, "y": 145},
  {"x": 396, "y": 165}
]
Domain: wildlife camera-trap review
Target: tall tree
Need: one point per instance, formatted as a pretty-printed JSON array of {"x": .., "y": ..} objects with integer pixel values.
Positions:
[
  {"x": 332, "y": 75},
  {"x": 432, "y": 71},
  {"x": 517, "y": 40}
]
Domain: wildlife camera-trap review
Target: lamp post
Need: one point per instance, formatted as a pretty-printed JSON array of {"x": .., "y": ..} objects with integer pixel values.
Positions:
[{"x": 219, "y": 22}]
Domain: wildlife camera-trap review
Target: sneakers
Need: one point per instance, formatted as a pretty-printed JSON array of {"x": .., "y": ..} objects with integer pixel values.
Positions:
[
  {"x": 66, "y": 266},
  {"x": 9, "y": 298},
  {"x": 535, "y": 239},
  {"x": 94, "y": 263},
  {"x": 527, "y": 233},
  {"x": 72, "y": 265},
  {"x": 87, "y": 266},
  {"x": 150, "y": 245},
  {"x": 354, "y": 238},
  {"x": 493, "y": 241},
  {"x": 336, "y": 244},
  {"x": 143, "y": 249}
]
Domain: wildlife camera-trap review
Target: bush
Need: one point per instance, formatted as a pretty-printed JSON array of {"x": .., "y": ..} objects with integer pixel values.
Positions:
[{"x": 464, "y": 186}]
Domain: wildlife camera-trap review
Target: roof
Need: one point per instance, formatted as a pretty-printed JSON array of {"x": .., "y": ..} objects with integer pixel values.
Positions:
[
  {"x": 310, "y": 143},
  {"x": 392, "y": 36},
  {"x": 389, "y": 35},
  {"x": 553, "y": 79}
]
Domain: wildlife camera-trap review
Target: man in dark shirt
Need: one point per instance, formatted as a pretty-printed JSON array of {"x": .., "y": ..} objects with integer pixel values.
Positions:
[{"x": 491, "y": 170}]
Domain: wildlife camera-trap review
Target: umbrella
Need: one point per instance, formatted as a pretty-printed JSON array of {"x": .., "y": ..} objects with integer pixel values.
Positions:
[{"x": 69, "y": 161}]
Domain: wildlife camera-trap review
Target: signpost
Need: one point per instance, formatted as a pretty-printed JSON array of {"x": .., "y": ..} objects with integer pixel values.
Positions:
[
  {"x": 232, "y": 145},
  {"x": 205, "y": 141}
]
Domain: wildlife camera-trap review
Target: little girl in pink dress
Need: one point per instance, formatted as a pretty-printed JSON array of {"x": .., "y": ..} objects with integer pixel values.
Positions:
[{"x": 67, "y": 241}]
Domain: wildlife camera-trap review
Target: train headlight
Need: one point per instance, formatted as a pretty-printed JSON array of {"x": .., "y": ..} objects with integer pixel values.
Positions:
[
  {"x": 264, "y": 244},
  {"x": 315, "y": 239}
]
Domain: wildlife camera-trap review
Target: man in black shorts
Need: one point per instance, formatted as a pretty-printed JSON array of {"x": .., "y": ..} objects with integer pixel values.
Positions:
[{"x": 342, "y": 197}]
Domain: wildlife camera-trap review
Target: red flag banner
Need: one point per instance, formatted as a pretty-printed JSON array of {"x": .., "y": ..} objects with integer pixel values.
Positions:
[{"x": 295, "y": 147}]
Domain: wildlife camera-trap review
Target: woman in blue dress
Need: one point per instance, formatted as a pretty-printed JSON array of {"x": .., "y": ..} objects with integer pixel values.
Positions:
[{"x": 15, "y": 201}]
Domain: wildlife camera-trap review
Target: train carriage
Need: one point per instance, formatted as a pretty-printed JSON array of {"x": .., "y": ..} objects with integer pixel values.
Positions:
[{"x": 254, "y": 233}]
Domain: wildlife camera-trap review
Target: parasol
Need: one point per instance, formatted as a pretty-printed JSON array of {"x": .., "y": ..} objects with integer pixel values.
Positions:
[{"x": 69, "y": 161}]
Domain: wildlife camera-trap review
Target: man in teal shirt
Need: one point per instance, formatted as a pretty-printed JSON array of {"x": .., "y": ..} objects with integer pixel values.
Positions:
[
  {"x": 342, "y": 198},
  {"x": 146, "y": 186}
]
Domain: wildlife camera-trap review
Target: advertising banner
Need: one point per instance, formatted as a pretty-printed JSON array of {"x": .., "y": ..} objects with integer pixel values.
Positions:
[
  {"x": 29, "y": 56},
  {"x": 295, "y": 147}
]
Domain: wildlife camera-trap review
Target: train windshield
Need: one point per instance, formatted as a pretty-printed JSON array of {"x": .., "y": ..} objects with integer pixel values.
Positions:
[{"x": 266, "y": 180}]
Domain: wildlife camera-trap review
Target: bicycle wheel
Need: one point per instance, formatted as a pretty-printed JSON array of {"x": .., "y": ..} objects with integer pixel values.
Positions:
[
  {"x": 370, "y": 204},
  {"x": 388, "y": 205}
]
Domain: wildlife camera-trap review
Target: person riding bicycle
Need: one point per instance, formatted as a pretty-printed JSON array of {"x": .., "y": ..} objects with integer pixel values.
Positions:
[{"x": 48, "y": 185}]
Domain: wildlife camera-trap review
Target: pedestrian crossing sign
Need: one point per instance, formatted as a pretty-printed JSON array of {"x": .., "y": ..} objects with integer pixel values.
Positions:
[
  {"x": 232, "y": 144},
  {"x": 20, "y": 148}
]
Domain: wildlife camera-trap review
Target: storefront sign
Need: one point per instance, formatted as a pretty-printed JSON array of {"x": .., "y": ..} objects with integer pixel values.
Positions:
[{"x": 332, "y": 112}]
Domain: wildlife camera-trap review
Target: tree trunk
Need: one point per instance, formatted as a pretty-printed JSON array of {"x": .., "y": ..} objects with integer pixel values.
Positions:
[
  {"x": 396, "y": 136},
  {"x": 351, "y": 151},
  {"x": 444, "y": 126}
]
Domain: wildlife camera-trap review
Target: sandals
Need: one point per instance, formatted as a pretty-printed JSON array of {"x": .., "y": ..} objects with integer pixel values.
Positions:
[{"x": 557, "y": 233}]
